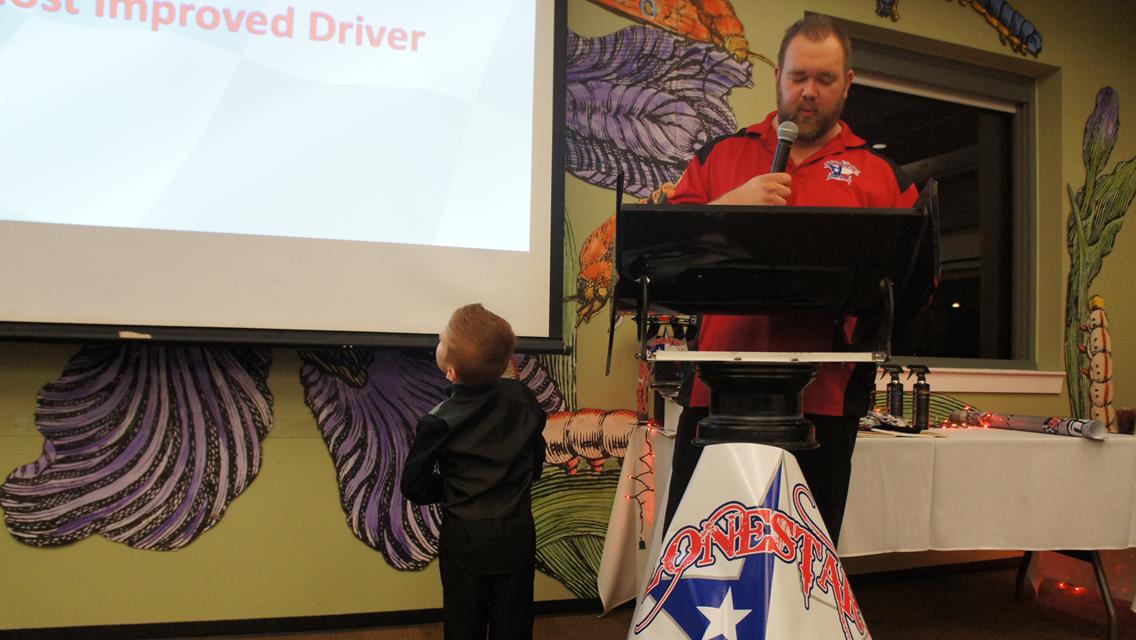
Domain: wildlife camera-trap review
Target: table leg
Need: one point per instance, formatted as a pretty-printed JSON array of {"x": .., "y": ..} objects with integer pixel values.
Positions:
[
  {"x": 1102, "y": 582},
  {"x": 1106, "y": 593},
  {"x": 1026, "y": 557}
]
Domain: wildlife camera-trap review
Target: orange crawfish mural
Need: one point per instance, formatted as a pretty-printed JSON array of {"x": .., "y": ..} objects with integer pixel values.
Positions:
[
  {"x": 712, "y": 21},
  {"x": 593, "y": 284}
]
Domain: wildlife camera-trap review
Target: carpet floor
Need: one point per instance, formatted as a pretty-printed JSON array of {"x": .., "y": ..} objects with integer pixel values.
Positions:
[{"x": 909, "y": 605}]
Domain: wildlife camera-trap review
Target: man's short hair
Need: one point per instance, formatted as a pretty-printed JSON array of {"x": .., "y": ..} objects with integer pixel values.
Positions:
[
  {"x": 816, "y": 28},
  {"x": 481, "y": 344}
]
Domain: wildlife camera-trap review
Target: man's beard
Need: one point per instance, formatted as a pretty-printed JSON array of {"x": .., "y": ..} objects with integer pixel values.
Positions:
[{"x": 812, "y": 127}]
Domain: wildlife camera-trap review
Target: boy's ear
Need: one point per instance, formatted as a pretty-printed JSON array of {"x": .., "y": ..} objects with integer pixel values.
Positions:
[{"x": 451, "y": 375}]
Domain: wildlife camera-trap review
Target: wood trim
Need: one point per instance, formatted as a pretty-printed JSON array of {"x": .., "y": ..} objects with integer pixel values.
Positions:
[{"x": 946, "y": 380}]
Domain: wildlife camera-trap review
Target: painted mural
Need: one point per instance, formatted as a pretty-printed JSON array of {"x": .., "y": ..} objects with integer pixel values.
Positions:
[
  {"x": 1096, "y": 214},
  {"x": 710, "y": 21},
  {"x": 149, "y": 445},
  {"x": 640, "y": 102},
  {"x": 144, "y": 445},
  {"x": 366, "y": 403},
  {"x": 594, "y": 277},
  {"x": 572, "y": 502},
  {"x": 1014, "y": 30}
]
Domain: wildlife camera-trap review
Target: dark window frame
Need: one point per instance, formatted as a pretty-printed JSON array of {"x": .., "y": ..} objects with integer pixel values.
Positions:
[
  {"x": 965, "y": 144},
  {"x": 907, "y": 59}
]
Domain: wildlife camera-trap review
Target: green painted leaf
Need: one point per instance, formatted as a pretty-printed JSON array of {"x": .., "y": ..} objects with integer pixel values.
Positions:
[
  {"x": 1112, "y": 196},
  {"x": 571, "y": 513},
  {"x": 1075, "y": 202}
]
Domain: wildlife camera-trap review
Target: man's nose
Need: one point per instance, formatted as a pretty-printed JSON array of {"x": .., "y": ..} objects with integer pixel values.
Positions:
[{"x": 809, "y": 89}]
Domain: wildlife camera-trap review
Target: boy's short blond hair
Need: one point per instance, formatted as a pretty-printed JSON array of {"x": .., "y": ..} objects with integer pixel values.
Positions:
[{"x": 480, "y": 344}]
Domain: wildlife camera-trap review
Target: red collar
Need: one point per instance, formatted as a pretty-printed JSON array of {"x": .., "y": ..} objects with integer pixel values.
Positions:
[{"x": 843, "y": 140}]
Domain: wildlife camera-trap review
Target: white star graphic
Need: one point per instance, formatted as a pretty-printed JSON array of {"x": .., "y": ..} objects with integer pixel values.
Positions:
[{"x": 723, "y": 619}]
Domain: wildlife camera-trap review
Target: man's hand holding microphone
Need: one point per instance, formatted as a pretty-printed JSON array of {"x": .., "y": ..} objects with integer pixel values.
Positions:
[{"x": 771, "y": 188}]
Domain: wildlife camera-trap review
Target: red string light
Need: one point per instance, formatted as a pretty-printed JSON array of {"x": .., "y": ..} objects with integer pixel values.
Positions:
[{"x": 1075, "y": 589}]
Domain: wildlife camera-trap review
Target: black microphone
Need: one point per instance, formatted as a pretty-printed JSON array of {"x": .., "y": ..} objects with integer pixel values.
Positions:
[{"x": 786, "y": 136}]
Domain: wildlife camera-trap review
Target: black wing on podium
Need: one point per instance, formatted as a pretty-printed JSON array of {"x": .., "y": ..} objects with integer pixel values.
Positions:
[{"x": 924, "y": 276}]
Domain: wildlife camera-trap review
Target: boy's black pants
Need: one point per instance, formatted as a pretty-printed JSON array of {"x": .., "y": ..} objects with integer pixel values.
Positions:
[{"x": 487, "y": 569}]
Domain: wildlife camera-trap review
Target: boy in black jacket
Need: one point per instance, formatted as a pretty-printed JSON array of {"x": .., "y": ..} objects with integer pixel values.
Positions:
[{"x": 478, "y": 453}]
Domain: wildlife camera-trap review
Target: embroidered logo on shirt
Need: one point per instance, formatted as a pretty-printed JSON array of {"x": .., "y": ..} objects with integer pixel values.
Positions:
[{"x": 841, "y": 170}]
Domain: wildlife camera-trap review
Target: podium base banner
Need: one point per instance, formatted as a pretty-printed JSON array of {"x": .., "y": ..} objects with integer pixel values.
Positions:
[{"x": 747, "y": 556}]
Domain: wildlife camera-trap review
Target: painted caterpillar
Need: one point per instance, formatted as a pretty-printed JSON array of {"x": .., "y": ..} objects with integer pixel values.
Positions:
[
  {"x": 888, "y": 9},
  {"x": 1013, "y": 29},
  {"x": 1098, "y": 349},
  {"x": 592, "y": 434}
]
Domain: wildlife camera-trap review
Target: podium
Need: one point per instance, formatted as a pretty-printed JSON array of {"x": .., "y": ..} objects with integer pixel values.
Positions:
[
  {"x": 747, "y": 552},
  {"x": 880, "y": 265}
]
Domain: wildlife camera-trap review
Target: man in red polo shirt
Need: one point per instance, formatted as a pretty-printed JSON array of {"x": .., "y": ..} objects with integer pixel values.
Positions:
[{"x": 829, "y": 166}]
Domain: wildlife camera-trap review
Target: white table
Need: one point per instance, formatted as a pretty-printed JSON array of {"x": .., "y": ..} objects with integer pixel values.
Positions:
[
  {"x": 993, "y": 489},
  {"x": 970, "y": 489},
  {"x": 990, "y": 489}
]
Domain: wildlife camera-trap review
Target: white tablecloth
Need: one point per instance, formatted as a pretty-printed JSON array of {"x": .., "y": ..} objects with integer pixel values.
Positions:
[
  {"x": 971, "y": 489},
  {"x": 990, "y": 489}
]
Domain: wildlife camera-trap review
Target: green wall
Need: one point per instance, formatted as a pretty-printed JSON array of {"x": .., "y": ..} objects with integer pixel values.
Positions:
[{"x": 284, "y": 549}]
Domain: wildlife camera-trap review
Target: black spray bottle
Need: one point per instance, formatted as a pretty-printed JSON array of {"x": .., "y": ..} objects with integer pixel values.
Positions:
[
  {"x": 894, "y": 389},
  {"x": 921, "y": 400}
]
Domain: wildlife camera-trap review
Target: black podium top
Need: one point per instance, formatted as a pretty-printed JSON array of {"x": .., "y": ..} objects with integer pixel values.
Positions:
[{"x": 747, "y": 259}]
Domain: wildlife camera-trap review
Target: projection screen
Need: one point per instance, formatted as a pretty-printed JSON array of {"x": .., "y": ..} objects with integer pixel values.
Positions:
[{"x": 325, "y": 172}]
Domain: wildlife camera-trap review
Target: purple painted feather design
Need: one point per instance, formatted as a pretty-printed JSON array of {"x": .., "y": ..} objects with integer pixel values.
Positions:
[
  {"x": 145, "y": 445},
  {"x": 641, "y": 101},
  {"x": 539, "y": 379},
  {"x": 368, "y": 429},
  {"x": 696, "y": 72}
]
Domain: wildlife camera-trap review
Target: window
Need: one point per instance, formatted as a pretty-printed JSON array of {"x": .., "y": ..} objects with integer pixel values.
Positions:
[
  {"x": 939, "y": 110},
  {"x": 969, "y": 150}
]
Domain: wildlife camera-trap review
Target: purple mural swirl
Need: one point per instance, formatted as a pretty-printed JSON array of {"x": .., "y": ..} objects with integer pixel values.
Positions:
[
  {"x": 368, "y": 429},
  {"x": 537, "y": 377},
  {"x": 145, "y": 445},
  {"x": 641, "y": 101}
]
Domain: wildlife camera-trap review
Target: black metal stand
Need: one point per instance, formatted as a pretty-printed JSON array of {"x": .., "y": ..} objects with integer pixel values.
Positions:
[
  {"x": 1098, "y": 568},
  {"x": 757, "y": 402}
]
